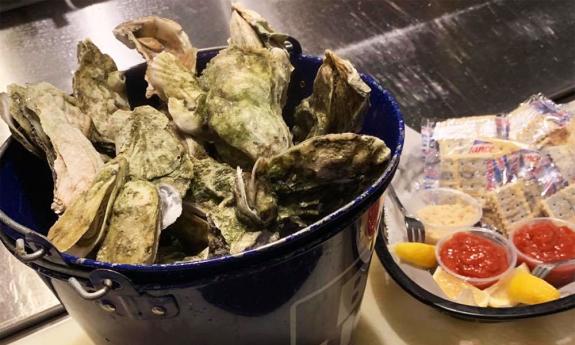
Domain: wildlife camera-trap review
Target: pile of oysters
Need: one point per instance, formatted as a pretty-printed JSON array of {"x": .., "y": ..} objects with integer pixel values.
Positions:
[{"x": 214, "y": 170}]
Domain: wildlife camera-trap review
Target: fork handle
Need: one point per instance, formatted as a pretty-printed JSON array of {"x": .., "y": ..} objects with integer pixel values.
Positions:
[{"x": 395, "y": 199}]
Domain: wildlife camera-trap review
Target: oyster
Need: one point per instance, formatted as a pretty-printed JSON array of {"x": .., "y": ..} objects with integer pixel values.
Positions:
[
  {"x": 82, "y": 226},
  {"x": 338, "y": 101},
  {"x": 249, "y": 28},
  {"x": 247, "y": 85},
  {"x": 21, "y": 129},
  {"x": 325, "y": 160},
  {"x": 212, "y": 183},
  {"x": 318, "y": 175},
  {"x": 100, "y": 90},
  {"x": 211, "y": 196},
  {"x": 134, "y": 229},
  {"x": 152, "y": 35},
  {"x": 255, "y": 203},
  {"x": 153, "y": 150},
  {"x": 51, "y": 121},
  {"x": 228, "y": 235},
  {"x": 179, "y": 87}
]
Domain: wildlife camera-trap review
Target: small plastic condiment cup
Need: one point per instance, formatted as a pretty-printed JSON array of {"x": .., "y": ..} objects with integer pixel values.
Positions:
[
  {"x": 491, "y": 235},
  {"x": 559, "y": 276},
  {"x": 443, "y": 196}
]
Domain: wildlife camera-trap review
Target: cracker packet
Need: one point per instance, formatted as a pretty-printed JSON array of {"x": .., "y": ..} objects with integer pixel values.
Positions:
[
  {"x": 535, "y": 121},
  {"x": 448, "y": 149}
]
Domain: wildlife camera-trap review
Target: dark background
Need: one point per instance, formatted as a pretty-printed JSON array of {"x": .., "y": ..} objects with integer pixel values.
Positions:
[{"x": 441, "y": 58}]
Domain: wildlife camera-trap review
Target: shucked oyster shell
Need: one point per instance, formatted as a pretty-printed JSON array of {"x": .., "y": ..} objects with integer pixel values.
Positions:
[
  {"x": 100, "y": 90},
  {"x": 247, "y": 85},
  {"x": 338, "y": 101},
  {"x": 51, "y": 121},
  {"x": 134, "y": 229},
  {"x": 82, "y": 226},
  {"x": 153, "y": 150},
  {"x": 152, "y": 35}
]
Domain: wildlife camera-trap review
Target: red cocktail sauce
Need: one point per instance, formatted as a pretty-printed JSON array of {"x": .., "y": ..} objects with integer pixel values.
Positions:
[
  {"x": 474, "y": 256},
  {"x": 545, "y": 241}
]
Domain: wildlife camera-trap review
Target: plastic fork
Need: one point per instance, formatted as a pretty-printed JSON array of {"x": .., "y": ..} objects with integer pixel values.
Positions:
[
  {"x": 415, "y": 228},
  {"x": 542, "y": 270}
]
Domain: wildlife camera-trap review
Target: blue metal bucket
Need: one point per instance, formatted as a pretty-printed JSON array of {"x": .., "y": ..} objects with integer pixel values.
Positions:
[{"x": 304, "y": 289}]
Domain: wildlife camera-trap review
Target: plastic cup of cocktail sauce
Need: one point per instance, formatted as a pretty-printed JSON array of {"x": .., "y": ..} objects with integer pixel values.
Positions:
[
  {"x": 540, "y": 240},
  {"x": 478, "y": 256}
]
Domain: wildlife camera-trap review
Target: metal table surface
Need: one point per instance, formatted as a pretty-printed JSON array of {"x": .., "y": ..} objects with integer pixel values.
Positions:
[{"x": 441, "y": 58}]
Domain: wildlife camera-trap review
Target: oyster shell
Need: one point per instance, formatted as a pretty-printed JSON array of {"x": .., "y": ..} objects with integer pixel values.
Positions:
[
  {"x": 320, "y": 174},
  {"x": 154, "y": 152},
  {"x": 212, "y": 183},
  {"x": 179, "y": 87},
  {"x": 171, "y": 204},
  {"x": 255, "y": 203},
  {"x": 21, "y": 129},
  {"x": 338, "y": 101},
  {"x": 247, "y": 85},
  {"x": 325, "y": 160},
  {"x": 152, "y": 35},
  {"x": 134, "y": 227},
  {"x": 53, "y": 123},
  {"x": 211, "y": 195},
  {"x": 100, "y": 90},
  {"x": 82, "y": 226},
  {"x": 249, "y": 29}
]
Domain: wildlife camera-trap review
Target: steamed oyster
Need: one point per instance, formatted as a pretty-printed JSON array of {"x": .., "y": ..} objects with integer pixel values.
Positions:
[
  {"x": 152, "y": 35},
  {"x": 82, "y": 226},
  {"x": 100, "y": 90},
  {"x": 134, "y": 229},
  {"x": 153, "y": 150},
  {"x": 51, "y": 121},
  {"x": 338, "y": 101},
  {"x": 247, "y": 85},
  {"x": 320, "y": 174}
]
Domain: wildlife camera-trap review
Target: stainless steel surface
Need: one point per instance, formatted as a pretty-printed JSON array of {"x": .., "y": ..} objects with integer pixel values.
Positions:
[
  {"x": 22, "y": 293},
  {"x": 440, "y": 58}
]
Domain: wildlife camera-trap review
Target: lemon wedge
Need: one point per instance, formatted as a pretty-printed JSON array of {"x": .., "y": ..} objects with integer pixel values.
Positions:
[
  {"x": 526, "y": 288},
  {"x": 459, "y": 290},
  {"x": 417, "y": 254},
  {"x": 499, "y": 298}
]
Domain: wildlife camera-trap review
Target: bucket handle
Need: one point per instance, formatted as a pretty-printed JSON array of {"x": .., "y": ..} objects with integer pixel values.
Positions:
[
  {"x": 90, "y": 295},
  {"x": 24, "y": 256}
]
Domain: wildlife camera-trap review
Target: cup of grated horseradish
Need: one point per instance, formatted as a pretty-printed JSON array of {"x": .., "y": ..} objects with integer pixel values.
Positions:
[{"x": 444, "y": 211}]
